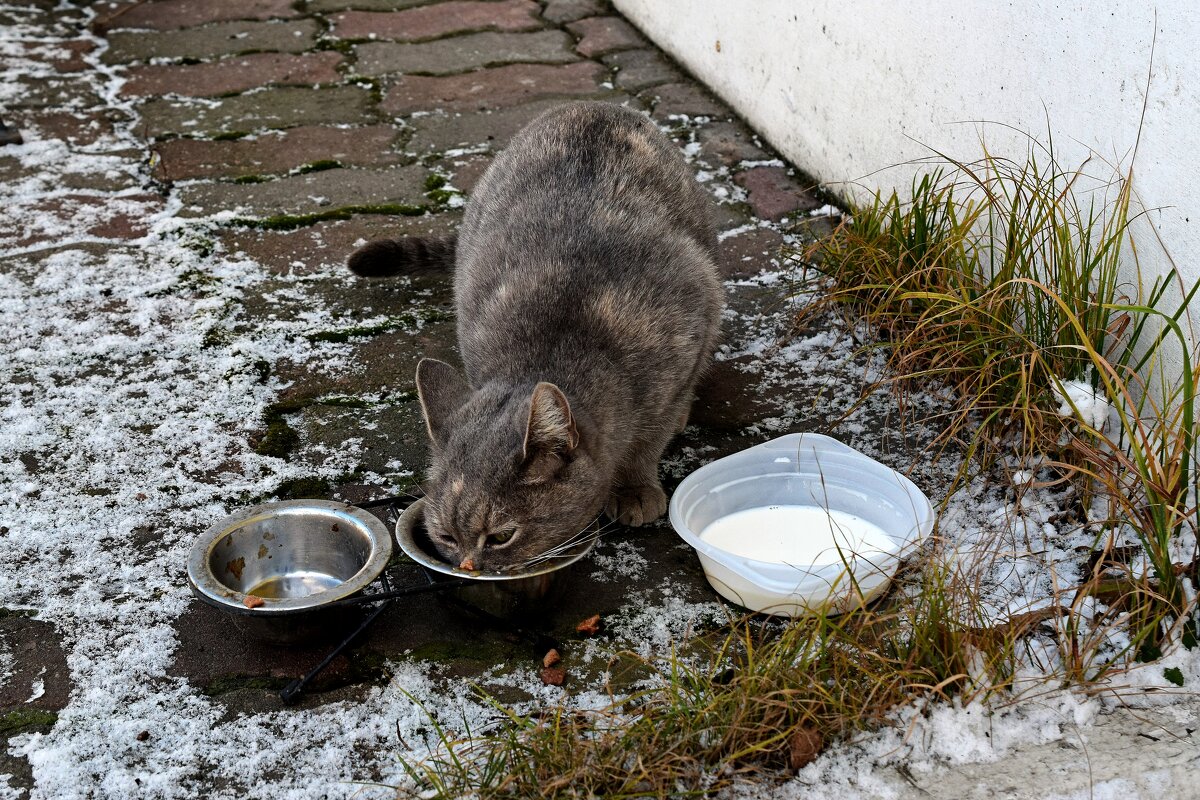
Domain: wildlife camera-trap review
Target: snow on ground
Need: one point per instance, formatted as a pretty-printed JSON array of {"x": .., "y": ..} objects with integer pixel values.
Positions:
[{"x": 120, "y": 410}]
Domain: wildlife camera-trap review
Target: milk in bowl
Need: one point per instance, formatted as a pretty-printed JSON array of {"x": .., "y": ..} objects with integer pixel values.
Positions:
[{"x": 800, "y": 523}]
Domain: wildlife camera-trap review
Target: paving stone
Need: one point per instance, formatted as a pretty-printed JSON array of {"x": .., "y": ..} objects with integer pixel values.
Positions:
[
  {"x": 62, "y": 56},
  {"x": 563, "y": 11},
  {"x": 641, "y": 69},
  {"x": 437, "y": 133},
  {"x": 58, "y": 93},
  {"x": 308, "y": 194},
  {"x": 323, "y": 6},
  {"x": 463, "y": 53},
  {"x": 674, "y": 99},
  {"x": 429, "y": 22},
  {"x": 729, "y": 398},
  {"x": 100, "y": 216},
  {"x": 774, "y": 194},
  {"x": 74, "y": 127},
  {"x": 328, "y": 244},
  {"x": 166, "y": 15},
  {"x": 58, "y": 20},
  {"x": 728, "y": 144},
  {"x": 466, "y": 172},
  {"x": 749, "y": 252},
  {"x": 107, "y": 180},
  {"x": 727, "y": 216},
  {"x": 223, "y": 39},
  {"x": 600, "y": 35},
  {"x": 271, "y": 108},
  {"x": 222, "y": 661},
  {"x": 384, "y": 362},
  {"x": 386, "y": 434},
  {"x": 273, "y": 153},
  {"x": 494, "y": 88},
  {"x": 36, "y": 679},
  {"x": 234, "y": 74},
  {"x": 37, "y": 657}
]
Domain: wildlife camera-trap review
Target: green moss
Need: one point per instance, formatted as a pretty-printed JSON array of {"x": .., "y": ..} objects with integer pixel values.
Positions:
[
  {"x": 214, "y": 337},
  {"x": 343, "y": 46},
  {"x": 393, "y": 323},
  {"x": 229, "y": 136},
  {"x": 279, "y": 441},
  {"x": 17, "y": 612},
  {"x": 368, "y": 666},
  {"x": 303, "y": 489},
  {"x": 441, "y": 196},
  {"x": 17, "y": 721},
  {"x": 224, "y": 684},
  {"x": 200, "y": 245},
  {"x": 288, "y": 406},
  {"x": 318, "y": 166},
  {"x": 373, "y": 85},
  {"x": 345, "y": 401},
  {"x": 1174, "y": 675},
  {"x": 251, "y": 179},
  {"x": 288, "y": 222},
  {"x": 353, "y": 401},
  {"x": 478, "y": 650},
  {"x": 435, "y": 189},
  {"x": 197, "y": 280}
]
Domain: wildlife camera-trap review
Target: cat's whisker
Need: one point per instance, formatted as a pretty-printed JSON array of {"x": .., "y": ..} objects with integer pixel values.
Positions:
[
  {"x": 574, "y": 539},
  {"x": 567, "y": 548}
]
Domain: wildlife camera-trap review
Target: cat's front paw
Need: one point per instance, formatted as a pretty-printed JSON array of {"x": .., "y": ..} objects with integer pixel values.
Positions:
[{"x": 636, "y": 505}]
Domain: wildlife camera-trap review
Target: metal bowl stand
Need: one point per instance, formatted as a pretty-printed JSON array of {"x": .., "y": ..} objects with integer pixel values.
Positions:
[{"x": 393, "y": 506}]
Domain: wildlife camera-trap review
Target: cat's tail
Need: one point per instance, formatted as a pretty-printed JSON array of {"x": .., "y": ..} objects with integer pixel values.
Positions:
[{"x": 384, "y": 257}]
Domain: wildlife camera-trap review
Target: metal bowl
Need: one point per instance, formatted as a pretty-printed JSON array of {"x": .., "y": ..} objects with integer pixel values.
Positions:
[
  {"x": 276, "y": 567},
  {"x": 508, "y": 595}
]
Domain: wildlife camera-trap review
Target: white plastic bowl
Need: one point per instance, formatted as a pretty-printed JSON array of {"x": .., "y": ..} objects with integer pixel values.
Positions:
[{"x": 801, "y": 469}]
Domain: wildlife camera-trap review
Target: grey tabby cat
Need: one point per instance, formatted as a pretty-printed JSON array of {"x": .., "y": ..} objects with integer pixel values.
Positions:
[{"x": 588, "y": 305}]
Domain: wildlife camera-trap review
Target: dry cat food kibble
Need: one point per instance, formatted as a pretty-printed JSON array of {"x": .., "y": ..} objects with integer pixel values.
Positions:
[
  {"x": 800, "y": 535},
  {"x": 253, "y": 601},
  {"x": 589, "y": 626},
  {"x": 551, "y": 658}
]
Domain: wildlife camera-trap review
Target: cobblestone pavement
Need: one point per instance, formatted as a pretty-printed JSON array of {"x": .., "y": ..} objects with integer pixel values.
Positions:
[{"x": 171, "y": 240}]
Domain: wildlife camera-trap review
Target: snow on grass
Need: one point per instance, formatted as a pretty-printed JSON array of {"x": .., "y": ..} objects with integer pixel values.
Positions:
[{"x": 1079, "y": 399}]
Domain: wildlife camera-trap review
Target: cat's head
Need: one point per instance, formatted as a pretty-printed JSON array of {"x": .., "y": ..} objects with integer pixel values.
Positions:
[{"x": 512, "y": 475}]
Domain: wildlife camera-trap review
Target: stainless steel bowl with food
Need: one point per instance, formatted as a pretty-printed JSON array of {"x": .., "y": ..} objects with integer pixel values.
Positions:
[
  {"x": 517, "y": 594},
  {"x": 281, "y": 568}
]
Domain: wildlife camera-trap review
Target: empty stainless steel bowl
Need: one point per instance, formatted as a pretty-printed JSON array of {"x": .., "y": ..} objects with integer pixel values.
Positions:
[
  {"x": 528, "y": 593},
  {"x": 277, "y": 566}
]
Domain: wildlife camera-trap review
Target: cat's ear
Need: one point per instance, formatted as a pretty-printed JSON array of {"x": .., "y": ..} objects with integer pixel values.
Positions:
[
  {"x": 551, "y": 427},
  {"x": 442, "y": 391}
]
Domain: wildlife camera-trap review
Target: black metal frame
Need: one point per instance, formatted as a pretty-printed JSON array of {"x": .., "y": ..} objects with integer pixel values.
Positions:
[{"x": 395, "y": 505}]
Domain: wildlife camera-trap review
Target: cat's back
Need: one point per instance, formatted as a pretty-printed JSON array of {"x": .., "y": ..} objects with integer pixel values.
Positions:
[
  {"x": 587, "y": 168},
  {"x": 589, "y": 222}
]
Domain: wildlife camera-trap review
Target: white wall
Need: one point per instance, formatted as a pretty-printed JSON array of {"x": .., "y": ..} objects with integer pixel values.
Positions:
[{"x": 845, "y": 89}]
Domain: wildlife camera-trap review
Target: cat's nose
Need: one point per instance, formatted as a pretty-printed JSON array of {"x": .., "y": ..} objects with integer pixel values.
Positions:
[{"x": 467, "y": 563}]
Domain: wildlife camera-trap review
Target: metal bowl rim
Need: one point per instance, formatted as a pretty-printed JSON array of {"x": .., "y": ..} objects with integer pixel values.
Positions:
[
  {"x": 206, "y": 586},
  {"x": 404, "y": 540}
]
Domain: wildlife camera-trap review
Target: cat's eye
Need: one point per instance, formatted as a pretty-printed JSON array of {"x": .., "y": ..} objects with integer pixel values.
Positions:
[{"x": 502, "y": 537}]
